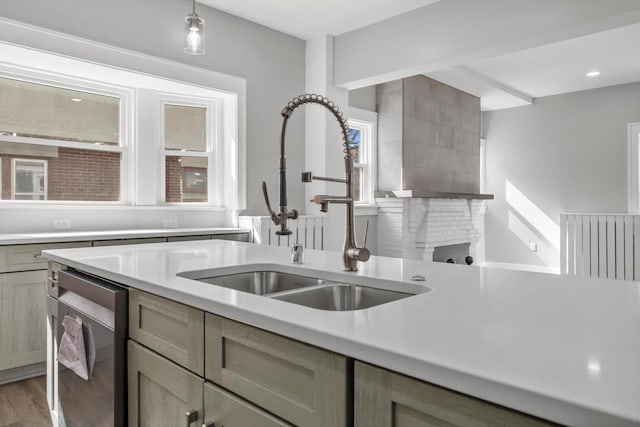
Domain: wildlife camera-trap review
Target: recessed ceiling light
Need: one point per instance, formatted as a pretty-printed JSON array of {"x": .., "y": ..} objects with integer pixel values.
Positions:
[
  {"x": 593, "y": 73},
  {"x": 76, "y": 99}
]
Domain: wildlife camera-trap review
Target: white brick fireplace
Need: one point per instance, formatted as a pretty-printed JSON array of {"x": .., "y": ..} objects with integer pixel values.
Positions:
[{"x": 414, "y": 227}]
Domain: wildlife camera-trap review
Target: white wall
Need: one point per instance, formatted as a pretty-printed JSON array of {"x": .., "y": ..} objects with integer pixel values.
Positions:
[
  {"x": 364, "y": 98},
  {"x": 564, "y": 153},
  {"x": 271, "y": 62}
]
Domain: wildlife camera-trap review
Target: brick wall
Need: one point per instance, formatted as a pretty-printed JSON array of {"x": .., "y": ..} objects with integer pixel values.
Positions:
[
  {"x": 75, "y": 174},
  {"x": 84, "y": 175},
  {"x": 180, "y": 176},
  {"x": 413, "y": 227},
  {"x": 173, "y": 179}
]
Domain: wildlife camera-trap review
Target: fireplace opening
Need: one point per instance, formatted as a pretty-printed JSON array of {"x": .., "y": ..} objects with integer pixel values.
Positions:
[{"x": 455, "y": 254}]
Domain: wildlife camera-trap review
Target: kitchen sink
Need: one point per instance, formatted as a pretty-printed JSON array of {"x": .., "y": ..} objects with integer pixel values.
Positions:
[
  {"x": 262, "y": 282},
  {"x": 313, "y": 292},
  {"x": 341, "y": 297}
]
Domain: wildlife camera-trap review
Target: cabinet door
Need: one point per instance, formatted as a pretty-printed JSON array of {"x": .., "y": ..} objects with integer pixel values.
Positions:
[
  {"x": 23, "y": 318},
  {"x": 222, "y": 408},
  {"x": 303, "y": 385},
  {"x": 160, "y": 392},
  {"x": 172, "y": 329},
  {"x": 387, "y": 399}
]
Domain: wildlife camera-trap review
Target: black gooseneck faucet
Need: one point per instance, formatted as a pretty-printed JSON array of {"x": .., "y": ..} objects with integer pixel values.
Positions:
[{"x": 352, "y": 253}]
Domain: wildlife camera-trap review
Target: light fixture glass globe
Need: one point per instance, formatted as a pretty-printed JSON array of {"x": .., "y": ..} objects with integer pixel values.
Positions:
[{"x": 194, "y": 41}]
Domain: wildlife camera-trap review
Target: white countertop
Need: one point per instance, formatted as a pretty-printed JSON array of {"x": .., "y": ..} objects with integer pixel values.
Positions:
[
  {"x": 563, "y": 348},
  {"x": 77, "y": 236}
]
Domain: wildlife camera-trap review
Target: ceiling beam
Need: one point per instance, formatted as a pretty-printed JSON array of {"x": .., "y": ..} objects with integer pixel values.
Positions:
[{"x": 463, "y": 69}]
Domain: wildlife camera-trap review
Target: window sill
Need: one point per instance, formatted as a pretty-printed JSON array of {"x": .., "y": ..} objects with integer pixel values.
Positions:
[
  {"x": 105, "y": 206},
  {"x": 366, "y": 210}
]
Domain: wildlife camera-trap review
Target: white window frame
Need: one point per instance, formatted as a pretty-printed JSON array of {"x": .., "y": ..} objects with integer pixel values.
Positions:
[
  {"x": 213, "y": 147},
  {"x": 45, "y": 164},
  {"x": 47, "y": 52},
  {"x": 367, "y": 122},
  {"x": 125, "y": 129}
]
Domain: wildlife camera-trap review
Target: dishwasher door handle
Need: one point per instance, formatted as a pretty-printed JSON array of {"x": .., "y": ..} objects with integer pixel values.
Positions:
[{"x": 94, "y": 297}]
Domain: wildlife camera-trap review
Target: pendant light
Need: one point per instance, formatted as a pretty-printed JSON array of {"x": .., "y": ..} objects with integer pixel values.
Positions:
[{"x": 194, "y": 41}]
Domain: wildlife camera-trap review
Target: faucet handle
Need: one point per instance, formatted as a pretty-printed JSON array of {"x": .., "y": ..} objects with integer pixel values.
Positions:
[
  {"x": 361, "y": 254},
  {"x": 366, "y": 234},
  {"x": 272, "y": 214}
]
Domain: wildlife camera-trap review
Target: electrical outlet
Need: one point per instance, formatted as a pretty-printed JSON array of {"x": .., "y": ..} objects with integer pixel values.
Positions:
[
  {"x": 170, "y": 223},
  {"x": 533, "y": 247},
  {"x": 62, "y": 224}
]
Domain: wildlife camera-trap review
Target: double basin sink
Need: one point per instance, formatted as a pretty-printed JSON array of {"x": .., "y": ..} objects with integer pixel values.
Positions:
[{"x": 308, "y": 291}]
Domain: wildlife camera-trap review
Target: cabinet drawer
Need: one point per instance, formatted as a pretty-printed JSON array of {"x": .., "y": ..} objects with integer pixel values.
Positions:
[
  {"x": 128, "y": 241},
  {"x": 385, "y": 399},
  {"x": 28, "y": 257},
  {"x": 304, "y": 385},
  {"x": 224, "y": 409},
  {"x": 161, "y": 392},
  {"x": 238, "y": 237},
  {"x": 172, "y": 329}
]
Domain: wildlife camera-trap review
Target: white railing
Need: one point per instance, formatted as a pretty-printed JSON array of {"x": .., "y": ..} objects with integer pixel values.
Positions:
[
  {"x": 307, "y": 230},
  {"x": 600, "y": 245}
]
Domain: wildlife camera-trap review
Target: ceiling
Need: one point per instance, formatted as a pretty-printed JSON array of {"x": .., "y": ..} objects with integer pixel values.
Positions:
[
  {"x": 517, "y": 78},
  {"x": 307, "y": 19},
  {"x": 505, "y": 81}
]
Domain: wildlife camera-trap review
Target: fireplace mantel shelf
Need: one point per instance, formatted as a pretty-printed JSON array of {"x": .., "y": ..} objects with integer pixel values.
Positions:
[{"x": 415, "y": 194}]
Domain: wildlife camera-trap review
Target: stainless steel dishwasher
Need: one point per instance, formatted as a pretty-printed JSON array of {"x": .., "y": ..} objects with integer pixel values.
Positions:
[{"x": 99, "y": 401}]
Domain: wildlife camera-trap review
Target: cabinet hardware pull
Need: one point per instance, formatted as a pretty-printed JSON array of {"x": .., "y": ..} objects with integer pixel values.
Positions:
[{"x": 190, "y": 417}]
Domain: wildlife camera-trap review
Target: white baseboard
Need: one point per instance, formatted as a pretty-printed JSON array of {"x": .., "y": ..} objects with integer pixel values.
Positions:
[{"x": 523, "y": 267}]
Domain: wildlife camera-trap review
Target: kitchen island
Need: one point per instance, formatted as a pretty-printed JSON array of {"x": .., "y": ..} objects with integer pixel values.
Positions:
[{"x": 563, "y": 349}]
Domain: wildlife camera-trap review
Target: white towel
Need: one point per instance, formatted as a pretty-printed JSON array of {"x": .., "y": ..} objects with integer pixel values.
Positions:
[{"x": 72, "y": 352}]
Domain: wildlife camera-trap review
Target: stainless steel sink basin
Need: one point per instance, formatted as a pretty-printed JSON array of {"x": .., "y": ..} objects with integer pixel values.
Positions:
[
  {"x": 341, "y": 297},
  {"x": 262, "y": 282},
  {"x": 313, "y": 292}
]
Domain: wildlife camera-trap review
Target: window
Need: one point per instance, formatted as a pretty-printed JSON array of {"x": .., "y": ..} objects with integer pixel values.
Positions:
[
  {"x": 362, "y": 147},
  {"x": 60, "y": 143},
  {"x": 29, "y": 178},
  {"x": 100, "y": 131},
  {"x": 188, "y": 151}
]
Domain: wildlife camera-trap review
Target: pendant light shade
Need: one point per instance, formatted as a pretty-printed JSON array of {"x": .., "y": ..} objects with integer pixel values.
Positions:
[{"x": 194, "y": 41}]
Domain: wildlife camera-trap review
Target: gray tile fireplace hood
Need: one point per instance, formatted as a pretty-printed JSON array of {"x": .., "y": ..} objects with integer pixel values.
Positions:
[{"x": 428, "y": 140}]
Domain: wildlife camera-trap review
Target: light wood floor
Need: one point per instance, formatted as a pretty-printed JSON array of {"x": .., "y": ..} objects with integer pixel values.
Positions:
[{"x": 24, "y": 404}]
